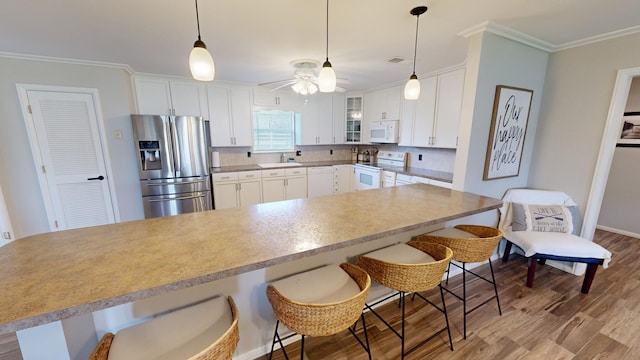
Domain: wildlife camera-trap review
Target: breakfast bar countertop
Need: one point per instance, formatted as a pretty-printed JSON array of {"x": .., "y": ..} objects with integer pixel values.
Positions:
[{"x": 57, "y": 275}]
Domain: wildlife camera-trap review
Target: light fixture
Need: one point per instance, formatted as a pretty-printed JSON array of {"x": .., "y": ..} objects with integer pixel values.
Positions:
[
  {"x": 305, "y": 87},
  {"x": 200, "y": 60},
  {"x": 412, "y": 89},
  {"x": 327, "y": 77}
]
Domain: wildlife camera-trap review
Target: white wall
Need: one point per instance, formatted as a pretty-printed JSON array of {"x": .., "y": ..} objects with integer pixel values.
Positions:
[
  {"x": 17, "y": 169},
  {"x": 577, "y": 96},
  {"x": 493, "y": 60},
  {"x": 619, "y": 211}
]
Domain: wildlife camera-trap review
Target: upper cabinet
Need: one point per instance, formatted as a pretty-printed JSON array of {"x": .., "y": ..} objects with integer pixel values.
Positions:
[
  {"x": 283, "y": 98},
  {"x": 162, "y": 96},
  {"x": 353, "y": 125},
  {"x": 230, "y": 115},
  {"x": 383, "y": 104},
  {"x": 433, "y": 119},
  {"x": 322, "y": 120}
]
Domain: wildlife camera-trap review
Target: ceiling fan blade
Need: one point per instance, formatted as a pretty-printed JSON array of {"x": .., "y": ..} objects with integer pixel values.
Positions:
[
  {"x": 283, "y": 85},
  {"x": 343, "y": 81},
  {"x": 340, "y": 89},
  {"x": 274, "y": 82}
]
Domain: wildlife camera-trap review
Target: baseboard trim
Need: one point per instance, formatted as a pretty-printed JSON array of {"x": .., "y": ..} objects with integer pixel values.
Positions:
[{"x": 618, "y": 231}]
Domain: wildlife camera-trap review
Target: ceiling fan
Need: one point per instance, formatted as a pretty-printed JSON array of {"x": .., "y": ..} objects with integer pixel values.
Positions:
[{"x": 305, "y": 78}]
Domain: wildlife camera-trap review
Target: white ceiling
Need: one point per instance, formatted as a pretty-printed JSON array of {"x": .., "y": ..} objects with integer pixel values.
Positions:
[{"x": 254, "y": 41}]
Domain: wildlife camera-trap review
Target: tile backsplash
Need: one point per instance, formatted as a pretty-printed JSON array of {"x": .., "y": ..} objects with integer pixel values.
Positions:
[{"x": 432, "y": 159}]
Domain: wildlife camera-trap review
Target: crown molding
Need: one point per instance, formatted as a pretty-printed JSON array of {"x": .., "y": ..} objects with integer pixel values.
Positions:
[
  {"x": 598, "y": 38},
  {"x": 508, "y": 33},
  {"x": 124, "y": 67}
]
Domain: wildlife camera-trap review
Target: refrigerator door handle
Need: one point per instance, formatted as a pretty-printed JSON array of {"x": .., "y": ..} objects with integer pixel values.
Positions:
[
  {"x": 199, "y": 195},
  {"x": 173, "y": 183},
  {"x": 176, "y": 148}
]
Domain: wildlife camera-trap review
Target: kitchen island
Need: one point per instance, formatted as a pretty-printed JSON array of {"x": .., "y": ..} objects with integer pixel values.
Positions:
[{"x": 58, "y": 275}]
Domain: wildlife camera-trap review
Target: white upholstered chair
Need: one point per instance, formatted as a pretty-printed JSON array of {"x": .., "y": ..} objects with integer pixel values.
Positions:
[{"x": 545, "y": 224}]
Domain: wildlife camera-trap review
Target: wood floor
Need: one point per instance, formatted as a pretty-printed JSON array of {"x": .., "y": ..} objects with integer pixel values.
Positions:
[{"x": 554, "y": 320}]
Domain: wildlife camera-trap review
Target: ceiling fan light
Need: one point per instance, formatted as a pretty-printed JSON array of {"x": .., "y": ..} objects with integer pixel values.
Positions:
[
  {"x": 201, "y": 63},
  {"x": 327, "y": 78},
  {"x": 412, "y": 88}
]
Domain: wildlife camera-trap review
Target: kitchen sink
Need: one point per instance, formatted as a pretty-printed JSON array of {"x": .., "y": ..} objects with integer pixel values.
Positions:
[{"x": 278, "y": 165}]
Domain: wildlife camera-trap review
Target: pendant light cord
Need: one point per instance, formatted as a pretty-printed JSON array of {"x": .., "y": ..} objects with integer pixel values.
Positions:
[
  {"x": 415, "y": 48},
  {"x": 198, "y": 20},
  {"x": 327, "y": 30}
]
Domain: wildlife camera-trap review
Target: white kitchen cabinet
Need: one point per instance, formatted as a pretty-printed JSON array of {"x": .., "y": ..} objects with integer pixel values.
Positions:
[
  {"x": 284, "y": 184},
  {"x": 237, "y": 189},
  {"x": 383, "y": 104},
  {"x": 433, "y": 119},
  {"x": 229, "y": 115},
  {"x": 403, "y": 179},
  {"x": 162, "y": 96},
  {"x": 320, "y": 181},
  {"x": 320, "y": 124},
  {"x": 388, "y": 178},
  {"x": 353, "y": 125},
  {"x": 283, "y": 98},
  {"x": 424, "y": 180},
  {"x": 342, "y": 179}
]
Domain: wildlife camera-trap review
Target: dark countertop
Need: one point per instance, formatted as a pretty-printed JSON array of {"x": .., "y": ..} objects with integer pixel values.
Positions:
[{"x": 431, "y": 174}]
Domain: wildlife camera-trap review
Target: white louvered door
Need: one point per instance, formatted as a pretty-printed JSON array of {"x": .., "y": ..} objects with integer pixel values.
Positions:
[{"x": 73, "y": 163}]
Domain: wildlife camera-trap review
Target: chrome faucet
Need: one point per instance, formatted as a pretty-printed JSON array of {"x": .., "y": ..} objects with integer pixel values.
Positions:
[{"x": 283, "y": 158}]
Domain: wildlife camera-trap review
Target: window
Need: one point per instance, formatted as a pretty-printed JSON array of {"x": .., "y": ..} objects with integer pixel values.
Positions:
[{"x": 274, "y": 130}]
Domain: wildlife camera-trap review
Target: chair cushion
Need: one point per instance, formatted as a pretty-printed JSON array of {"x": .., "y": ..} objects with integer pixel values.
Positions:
[
  {"x": 452, "y": 233},
  {"x": 176, "y": 335},
  {"x": 559, "y": 244},
  {"x": 324, "y": 285},
  {"x": 401, "y": 254}
]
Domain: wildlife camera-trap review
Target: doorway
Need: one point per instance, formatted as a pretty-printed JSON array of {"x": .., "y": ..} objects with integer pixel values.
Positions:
[
  {"x": 68, "y": 144},
  {"x": 607, "y": 148}
]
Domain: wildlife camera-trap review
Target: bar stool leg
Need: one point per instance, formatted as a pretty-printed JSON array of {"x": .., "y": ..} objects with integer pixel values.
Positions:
[
  {"x": 448, "y": 268},
  {"x": 464, "y": 297},
  {"x": 495, "y": 287},
  {"x": 276, "y": 337},
  {"x": 446, "y": 317},
  {"x": 402, "y": 338},
  {"x": 302, "y": 348}
]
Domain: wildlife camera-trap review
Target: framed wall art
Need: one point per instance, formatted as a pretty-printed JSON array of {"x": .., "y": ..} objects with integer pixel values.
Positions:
[
  {"x": 630, "y": 132},
  {"x": 508, "y": 129}
]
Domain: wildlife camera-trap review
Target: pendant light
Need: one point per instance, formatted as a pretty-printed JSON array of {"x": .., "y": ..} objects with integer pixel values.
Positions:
[
  {"x": 327, "y": 77},
  {"x": 200, "y": 60},
  {"x": 412, "y": 88}
]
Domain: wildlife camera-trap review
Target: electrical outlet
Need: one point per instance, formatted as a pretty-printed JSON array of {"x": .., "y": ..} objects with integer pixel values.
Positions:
[
  {"x": 117, "y": 134},
  {"x": 331, "y": 152},
  {"x": 419, "y": 157},
  {"x": 298, "y": 152},
  {"x": 248, "y": 154}
]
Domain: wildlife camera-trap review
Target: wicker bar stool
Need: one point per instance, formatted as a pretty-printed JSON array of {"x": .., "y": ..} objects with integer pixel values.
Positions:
[
  {"x": 205, "y": 331},
  {"x": 320, "y": 302},
  {"x": 470, "y": 244},
  {"x": 411, "y": 267}
]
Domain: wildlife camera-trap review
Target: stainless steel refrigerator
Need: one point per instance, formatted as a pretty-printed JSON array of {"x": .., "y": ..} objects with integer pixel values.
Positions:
[{"x": 172, "y": 163}]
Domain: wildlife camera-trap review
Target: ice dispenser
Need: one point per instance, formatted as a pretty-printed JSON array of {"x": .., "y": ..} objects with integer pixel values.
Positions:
[{"x": 150, "y": 155}]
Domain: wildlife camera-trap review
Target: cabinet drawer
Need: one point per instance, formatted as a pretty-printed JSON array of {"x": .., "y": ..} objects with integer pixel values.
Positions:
[
  {"x": 296, "y": 171},
  {"x": 319, "y": 170},
  {"x": 273, "y": 173},
  {"x": 248, "y": 175},
  {"x": 421, "y": 180},
  {"x": 228, "y": 176},
  {"x": 404, "y": 178}
]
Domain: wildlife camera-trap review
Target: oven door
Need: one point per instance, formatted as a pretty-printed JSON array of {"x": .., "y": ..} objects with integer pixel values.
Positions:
[{"x": 367, "y": 177}]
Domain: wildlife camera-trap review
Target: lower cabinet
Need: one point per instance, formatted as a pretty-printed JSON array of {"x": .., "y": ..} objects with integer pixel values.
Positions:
[
  {"x": 320, "y": 181},
  {"x": 420, "y": 179},
  {"x": 284, "y": 184},
  {"x": 343, "y": 179},
  {"x": 236, "y": 189}
]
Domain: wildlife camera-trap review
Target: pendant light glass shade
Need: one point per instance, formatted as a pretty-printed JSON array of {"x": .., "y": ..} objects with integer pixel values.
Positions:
[
  {"x": 327, "y": 76},
  {"x": 200, "y": 60},
  {"x": 201, "y": 64},
  {"x": 412, "y": 88}
]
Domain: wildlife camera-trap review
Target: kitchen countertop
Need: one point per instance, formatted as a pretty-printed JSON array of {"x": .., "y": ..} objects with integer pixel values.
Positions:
[
  {"x": 432, "y": 174},
  {"x": 57, "y": 275}
]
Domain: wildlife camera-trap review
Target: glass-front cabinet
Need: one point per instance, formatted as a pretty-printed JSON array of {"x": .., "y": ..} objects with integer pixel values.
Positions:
[{"x": 354, "y": 119}]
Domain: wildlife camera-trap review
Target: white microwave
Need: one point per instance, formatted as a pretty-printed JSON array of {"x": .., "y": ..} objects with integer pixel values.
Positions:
[{"x": 383, "y": 131}]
